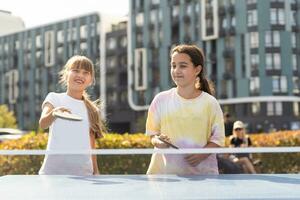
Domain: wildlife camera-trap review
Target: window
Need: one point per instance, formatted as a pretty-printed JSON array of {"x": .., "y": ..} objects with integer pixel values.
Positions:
[
  {"x": 36, "y": 83},
  {"x": 229, "y": 66},
  {"x": 112, "y": 98},
  {"x": 123, "y": 61},
  {"x": 153, "y": 17},
  {"x": 277, "y": 16},
  {"x": 273, "y": 61},
  {"x": 111, "y": 80},
  {"x": 278, "y": 108},
  {"x": 252, "y": 17},
  {"x": 123, "y": 41},
  {"x": 139, "y": 38},
  {"x": 160, "y": 16},
  {"x": 12, "y": 77},
  {"x": 254, "y": 60},
  {"x": 83, "y": 31},
  {"x": 38, "y": 41},
  {"x": 293, "y": 17},
  {"x": 83, "y": 46},
  {"x": 139, "y": 20},
  {"x": 293, "y": 39},
  {"x": 274, "y": 108},
  {"x": 123, "y": 97},
  {"x": 38, "y": 56},
  {"x": 224, "y": 23},
  {"x": 233, "y": 22},
  {"x": 296, "y": 108},
  {"x": 154, "y": 2},
  {"x": 251, "y": 1},
  {"x": 294, "y": 62},
  {"x": 254, "y": 40},
  {"x": 278, "y": 1},
  {"x": 255, "y": 107},
  {"x": 296, "y": 84},
  {"x": 71, "y": 34},
  {"x": 111, "y": 43},
  {"x": 49, "y": 49},
  {"x": 272, "y": 39},
  {"x": 175, "y": 11},
  {"x": 111, "y": 62},
  {"x": 190, "y": 8},
  {"x": 210, "y": 23},
  {"x": 254, "y": 85},
  {"x": 123, "y": 79},
  {"x": 60, "y": 36},
  {"x": 140, "y": 69},
  {"x": 229, "y": 42},
  {"x": 279, "y": 84}
]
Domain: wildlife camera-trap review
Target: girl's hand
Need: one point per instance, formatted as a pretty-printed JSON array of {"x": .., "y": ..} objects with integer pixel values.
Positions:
[
  {"x": 195, "y": 159},
  {"x": 96, "y": 172},
  {"x": 244, "y": 145},
  {"x": 158, "y": 143},
  {"x": 61, "y": 109}
]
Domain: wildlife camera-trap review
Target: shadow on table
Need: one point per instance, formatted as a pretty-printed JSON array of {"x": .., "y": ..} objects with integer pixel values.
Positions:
[{"x": 278, "y": 178}]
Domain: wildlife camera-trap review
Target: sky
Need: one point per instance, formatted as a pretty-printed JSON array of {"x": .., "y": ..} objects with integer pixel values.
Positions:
[{"x": 39, "y": 12}]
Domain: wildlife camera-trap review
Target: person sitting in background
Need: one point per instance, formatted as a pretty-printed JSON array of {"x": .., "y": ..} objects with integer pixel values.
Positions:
[
  {"x": 228, "y": 124},
  {"x": 241, "y": 139}
]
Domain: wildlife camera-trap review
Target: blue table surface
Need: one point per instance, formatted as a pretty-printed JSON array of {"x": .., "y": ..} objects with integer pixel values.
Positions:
[{"x": 237, "y": 186}]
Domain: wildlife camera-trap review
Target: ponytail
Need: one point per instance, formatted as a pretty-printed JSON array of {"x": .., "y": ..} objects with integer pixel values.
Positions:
[
  {"x": 205, "y": 85},
  {"x": 96, "y": 124}
]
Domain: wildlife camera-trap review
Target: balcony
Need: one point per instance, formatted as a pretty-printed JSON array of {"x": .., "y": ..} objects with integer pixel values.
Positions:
[
  {"x": 227, "y": 75},
  {"x": 186, "y": 19},
  {"x": 187, "y": 39},
  {"x": 222, "y": 11},
  {"x": 222, "y": 31},
  {"x": 231, "y": 9},
  {"x": 223, "y": 96},
  {"x": 212, "y": 57},
  {"x": 228, "y": 53},
  {"x": 151, "y": 45},
  {"x": 151, "y": 27},
  {"x": 231, "y": 30}
]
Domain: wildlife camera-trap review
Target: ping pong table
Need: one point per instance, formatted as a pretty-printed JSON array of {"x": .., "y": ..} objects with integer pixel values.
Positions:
[{"x": 237, "y": 186}]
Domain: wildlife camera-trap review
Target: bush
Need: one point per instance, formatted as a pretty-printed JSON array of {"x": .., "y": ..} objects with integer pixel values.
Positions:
[
  {"x": 108, "y": 164},
  {"x": 138, "y": 164},
  {"x": 278, "y": 162},
  {"x": 123, "y": 164},
  {"x": 7, "y": 118}
]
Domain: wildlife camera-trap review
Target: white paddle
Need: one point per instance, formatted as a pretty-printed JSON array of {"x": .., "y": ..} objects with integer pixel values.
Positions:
[{"x": 67, "y": 116}]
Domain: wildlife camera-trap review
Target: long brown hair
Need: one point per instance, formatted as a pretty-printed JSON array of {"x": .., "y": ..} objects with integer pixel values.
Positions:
[
  {"x": 197, "y": 57},
  {"x": 81, "y": 62}
]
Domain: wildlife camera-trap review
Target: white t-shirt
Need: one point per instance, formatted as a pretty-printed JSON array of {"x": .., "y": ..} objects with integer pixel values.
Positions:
[{"x": 68, "y": 135}]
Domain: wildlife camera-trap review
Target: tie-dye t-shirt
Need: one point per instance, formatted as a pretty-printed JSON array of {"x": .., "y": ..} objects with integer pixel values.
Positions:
[{"x": 190, "y": 123}]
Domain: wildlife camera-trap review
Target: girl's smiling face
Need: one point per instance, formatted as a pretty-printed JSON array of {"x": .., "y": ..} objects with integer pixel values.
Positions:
[
  {"x": 183, "y": 71},
  {"x": 78, "y": 79}
]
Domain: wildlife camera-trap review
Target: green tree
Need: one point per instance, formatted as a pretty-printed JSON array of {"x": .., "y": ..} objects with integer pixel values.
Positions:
[{"x": 7, "y": 118}]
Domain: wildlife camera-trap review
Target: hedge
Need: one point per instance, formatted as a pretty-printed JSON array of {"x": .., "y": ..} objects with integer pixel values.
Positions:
[
  {"x": 108, "y": 164},
  {"x": 137, "y": 164}
]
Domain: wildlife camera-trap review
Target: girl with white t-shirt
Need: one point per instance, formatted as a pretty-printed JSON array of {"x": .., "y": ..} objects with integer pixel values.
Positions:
[
  {"x": 187, "y": 116},
  {"x": 77, "y": 75}
]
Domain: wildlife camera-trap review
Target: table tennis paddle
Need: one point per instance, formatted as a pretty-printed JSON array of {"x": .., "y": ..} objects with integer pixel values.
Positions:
[
  {"x": 67, "y": 116},
  {"x": 168, "y": 143}
]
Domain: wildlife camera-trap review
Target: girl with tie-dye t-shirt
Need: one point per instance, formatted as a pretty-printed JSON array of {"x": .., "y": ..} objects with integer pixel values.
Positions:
[{"x": 187, "y": 116}]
